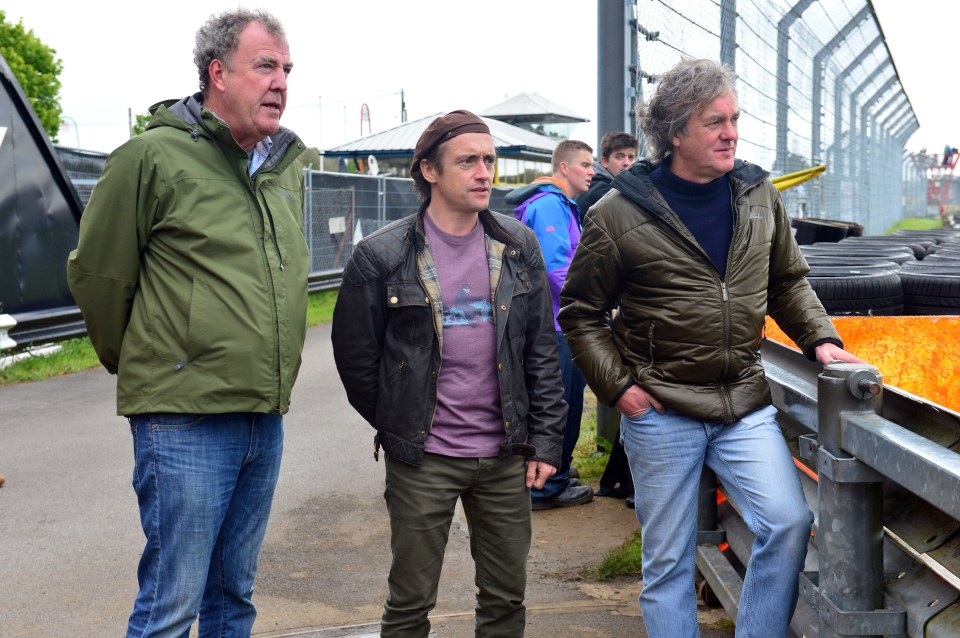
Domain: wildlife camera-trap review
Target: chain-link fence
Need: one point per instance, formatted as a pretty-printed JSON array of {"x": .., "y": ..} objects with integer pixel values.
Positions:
[{"x": 816, "y": 85}]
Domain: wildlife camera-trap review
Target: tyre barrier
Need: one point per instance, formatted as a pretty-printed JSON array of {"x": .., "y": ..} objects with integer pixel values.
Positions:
[
  {"x": 920, "y": 248},
  {"x": 930, "y": 293},
  {"x": 827, "y": 261},
  {"x": 943, "y": 257},
  {"x": 896, "y": 256},
  {"x": 932, "y": 268},
  {"x": 884, "y": 277},
  {"x": 849, "y": 293},
  {"x": 811, "y": 229}
]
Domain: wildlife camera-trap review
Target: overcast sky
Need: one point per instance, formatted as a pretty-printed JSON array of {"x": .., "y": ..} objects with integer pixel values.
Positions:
[{"x": 443, "y": 54}]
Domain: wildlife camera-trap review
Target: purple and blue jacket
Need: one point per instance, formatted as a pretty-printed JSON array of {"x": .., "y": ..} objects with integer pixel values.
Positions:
[{"x": 555, "y": 219}]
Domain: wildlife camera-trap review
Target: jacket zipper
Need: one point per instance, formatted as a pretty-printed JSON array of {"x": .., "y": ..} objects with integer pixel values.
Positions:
[
  {"x": 723, "y": 391},
  {"x": 727, "y": 315},
  {"x": 725, "y": 311}
]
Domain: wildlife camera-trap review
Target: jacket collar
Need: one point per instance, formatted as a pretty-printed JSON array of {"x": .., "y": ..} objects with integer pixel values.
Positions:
[
  {"x": 491, "y": 227},
  {"x": 635, "y": 183},
  {"x": 190, "y": 115}
]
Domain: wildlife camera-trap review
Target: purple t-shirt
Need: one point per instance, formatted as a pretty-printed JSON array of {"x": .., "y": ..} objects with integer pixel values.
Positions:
[{"x": 468, "y": 421}]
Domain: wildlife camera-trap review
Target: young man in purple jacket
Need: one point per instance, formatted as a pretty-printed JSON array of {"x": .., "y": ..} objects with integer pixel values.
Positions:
[{"x": 548, "y": 208}]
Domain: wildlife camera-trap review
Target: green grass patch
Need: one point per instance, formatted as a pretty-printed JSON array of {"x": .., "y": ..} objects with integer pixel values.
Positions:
[
  {"x": 917, "y": 223},
  {"x": 625, "y": 560},
  {"x": 724, "y": 624},
  {"x": 320, "y": 307},
  {"x": 592, "y": 452},
  {"x": 75, "y": 355}
]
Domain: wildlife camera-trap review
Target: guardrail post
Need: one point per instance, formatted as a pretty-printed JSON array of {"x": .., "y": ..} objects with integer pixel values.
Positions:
[
  {"x": 6, "y": 323},
  {"x": 849, "y": 594}
]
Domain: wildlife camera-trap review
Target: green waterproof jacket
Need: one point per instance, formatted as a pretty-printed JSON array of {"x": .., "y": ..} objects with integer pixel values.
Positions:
[
  {"x": 192, "y": 275},
  {"x": 686, "y": 336}
]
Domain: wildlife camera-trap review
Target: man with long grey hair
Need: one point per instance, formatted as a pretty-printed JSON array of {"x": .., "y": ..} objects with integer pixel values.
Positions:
[
  {"x": 191, "y": 272},
  {"x": 696, "y": 248}
]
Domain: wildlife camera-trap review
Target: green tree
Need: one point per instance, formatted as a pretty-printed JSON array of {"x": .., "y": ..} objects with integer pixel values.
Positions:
[
  {"x": 36, "y": 68},
  {"x": 140, "y": 125}
]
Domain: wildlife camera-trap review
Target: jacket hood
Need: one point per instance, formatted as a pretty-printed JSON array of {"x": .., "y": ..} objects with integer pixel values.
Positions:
[
  {"x": 600, "y": 174},
  {"x": 635, "y": 182},
  {"x": 519, "y": 195},
  {"x": 189, "y": 114}
]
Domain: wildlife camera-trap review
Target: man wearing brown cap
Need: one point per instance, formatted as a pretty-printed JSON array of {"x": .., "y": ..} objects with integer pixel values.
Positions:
[{"x": 444, "y": 340}]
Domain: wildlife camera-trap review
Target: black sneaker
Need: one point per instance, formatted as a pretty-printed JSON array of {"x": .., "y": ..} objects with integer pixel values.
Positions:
[
  {"x": 573, "y": 495},
  {"x": 573, "y": 473}
]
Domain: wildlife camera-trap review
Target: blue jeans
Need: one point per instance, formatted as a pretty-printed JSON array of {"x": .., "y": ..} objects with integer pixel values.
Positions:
[
  {"x": 205, "y": 485},
  {"x": 573, "y": 386},
  {"x": 750, "y": 457}
]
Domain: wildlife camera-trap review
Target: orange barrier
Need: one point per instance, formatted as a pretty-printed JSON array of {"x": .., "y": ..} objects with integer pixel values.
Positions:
[{"x": 915, "y": 354}]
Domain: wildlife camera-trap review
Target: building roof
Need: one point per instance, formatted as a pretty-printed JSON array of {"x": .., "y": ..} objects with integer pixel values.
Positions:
[
  {"x": 528, "y": 107},
  {"x": 401, "y": 140}
]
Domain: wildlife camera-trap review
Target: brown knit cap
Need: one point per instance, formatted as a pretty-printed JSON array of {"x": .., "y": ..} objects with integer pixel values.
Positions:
[{"x": 444, "y": 128}]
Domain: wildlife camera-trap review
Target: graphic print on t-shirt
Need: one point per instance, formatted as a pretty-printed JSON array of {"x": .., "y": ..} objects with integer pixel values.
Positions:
[{"x": 467, "y": 310}]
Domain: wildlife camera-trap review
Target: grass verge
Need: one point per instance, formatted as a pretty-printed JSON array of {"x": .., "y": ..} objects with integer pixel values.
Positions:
[
  {"x": 625, "y": 560},
  {"x": 590, "y": 458},
  {"x": 591, "y": 454},
  {"x": 917, "y": 223},
  {"x": 77, "y": 355}
]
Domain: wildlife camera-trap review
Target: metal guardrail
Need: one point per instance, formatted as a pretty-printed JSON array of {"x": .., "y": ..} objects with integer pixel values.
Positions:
[
  {"x": 881, "y": 474},
  {"x": 57, "y": 324}
]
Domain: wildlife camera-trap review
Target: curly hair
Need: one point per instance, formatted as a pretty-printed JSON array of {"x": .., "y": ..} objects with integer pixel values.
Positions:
[
  {"x": 219, "y": 38},
  {"x": 681, "y": 92}
]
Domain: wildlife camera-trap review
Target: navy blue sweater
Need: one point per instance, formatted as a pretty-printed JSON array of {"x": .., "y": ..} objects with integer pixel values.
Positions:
[{"x": 705, "y": 209}]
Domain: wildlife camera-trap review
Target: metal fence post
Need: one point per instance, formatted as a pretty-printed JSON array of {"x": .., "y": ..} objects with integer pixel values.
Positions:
[{"x": 850, "y": 529}]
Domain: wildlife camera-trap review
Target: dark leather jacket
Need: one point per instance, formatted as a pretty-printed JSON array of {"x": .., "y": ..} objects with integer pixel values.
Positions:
[
  {"x": 386, "y": 346},
  {"x": 686, "y": 336}
]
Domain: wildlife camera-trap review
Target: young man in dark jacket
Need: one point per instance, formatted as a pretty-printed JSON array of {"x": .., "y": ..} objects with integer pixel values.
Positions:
[
  {"x": 191, "y": 273},
  {"x": 696, "y": 248},
  {"x": 443, "y": 338},
  {"x": 618, "y": 151}
]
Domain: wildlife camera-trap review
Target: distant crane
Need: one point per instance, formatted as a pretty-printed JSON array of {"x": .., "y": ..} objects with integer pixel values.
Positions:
[{"x": 939, "y": 171}]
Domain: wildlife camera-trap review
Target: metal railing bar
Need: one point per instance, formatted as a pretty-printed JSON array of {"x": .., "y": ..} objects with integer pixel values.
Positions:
[{"x": 925, "y": 468}]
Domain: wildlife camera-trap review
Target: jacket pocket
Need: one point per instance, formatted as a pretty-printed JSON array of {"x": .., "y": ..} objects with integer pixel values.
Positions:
[
  {"x": 409, "y": 314},
  {"x": 519, "y": 302},
  {"x": 199, "y": 334}
]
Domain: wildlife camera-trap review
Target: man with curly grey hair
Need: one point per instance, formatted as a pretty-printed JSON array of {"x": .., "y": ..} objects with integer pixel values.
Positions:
[
  {"x": 696, "y": 248},
  {"x": 191, "y": 272}
]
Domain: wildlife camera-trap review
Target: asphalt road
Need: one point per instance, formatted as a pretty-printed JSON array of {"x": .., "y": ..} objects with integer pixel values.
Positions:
[{"x": 70, "y": 537}]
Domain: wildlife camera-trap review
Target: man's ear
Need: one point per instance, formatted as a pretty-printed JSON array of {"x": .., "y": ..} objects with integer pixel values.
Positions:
[
  {"x": 429, "y": 172},
  {"x": 216, "y": 69}
]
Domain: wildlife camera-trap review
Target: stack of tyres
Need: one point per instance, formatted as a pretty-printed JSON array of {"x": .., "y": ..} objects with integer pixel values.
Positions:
[
  {"x": 931, "y": 286},
  {"x": 901, "y": 274}
]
